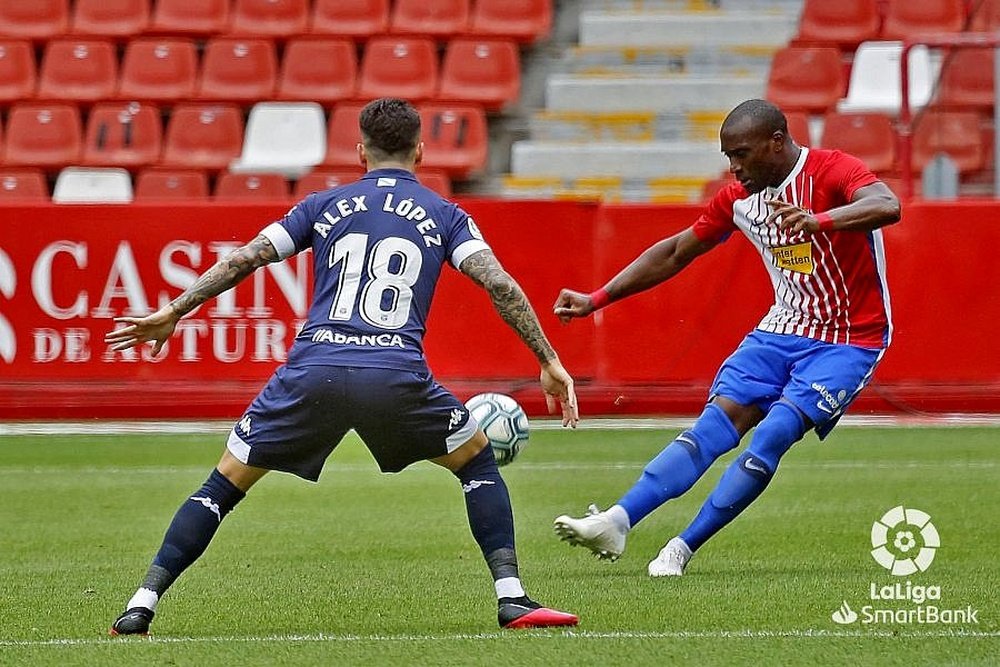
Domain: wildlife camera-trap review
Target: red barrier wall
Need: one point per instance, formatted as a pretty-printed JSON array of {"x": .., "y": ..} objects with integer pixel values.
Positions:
[{"x": 65, "y": 270}]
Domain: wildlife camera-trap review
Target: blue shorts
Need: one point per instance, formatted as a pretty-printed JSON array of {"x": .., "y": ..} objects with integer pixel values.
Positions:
[
  {"x": 302, "y": 414},
  {"x": 820, "y": 379}
]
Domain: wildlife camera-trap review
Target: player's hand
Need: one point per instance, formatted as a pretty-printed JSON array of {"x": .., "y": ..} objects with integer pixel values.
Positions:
[
  {"x": 572, "y": 304},
  {"x": 793, "y": 219},
  {"x": 137, "y": 330},
  {"x": 558, "y": 386}
]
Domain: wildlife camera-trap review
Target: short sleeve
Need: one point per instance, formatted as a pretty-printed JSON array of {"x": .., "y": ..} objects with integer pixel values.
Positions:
[
  {"x": 464, "y": 237},
  {"x": 716, "y": 221},
  {"x": 853, "y": 175},
  {"x": 293, "y": 233}
]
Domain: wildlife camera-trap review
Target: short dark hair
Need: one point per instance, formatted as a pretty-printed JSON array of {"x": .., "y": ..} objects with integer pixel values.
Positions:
[
  {"x": 390, "y": 128},
  {"x": 763, "y": 117}
]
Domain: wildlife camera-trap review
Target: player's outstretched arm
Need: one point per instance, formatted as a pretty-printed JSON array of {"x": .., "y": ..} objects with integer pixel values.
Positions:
[
  {"x": 225, "y": 274},
  {"x": 513, "y": 306},
  {"x": 661, "y": 261}
]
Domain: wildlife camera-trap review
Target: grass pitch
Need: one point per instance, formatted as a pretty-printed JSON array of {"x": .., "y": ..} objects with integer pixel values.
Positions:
[{"x": 370, "y": 569}]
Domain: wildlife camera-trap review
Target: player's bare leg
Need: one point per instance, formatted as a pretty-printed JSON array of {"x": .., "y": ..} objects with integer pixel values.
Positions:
[
  {"x": 492, "y": 521},
  {"x": 190, "y": 532}
]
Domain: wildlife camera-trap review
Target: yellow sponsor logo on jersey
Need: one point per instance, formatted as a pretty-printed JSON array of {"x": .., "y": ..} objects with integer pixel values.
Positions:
[{"x": 796, "y": 257}]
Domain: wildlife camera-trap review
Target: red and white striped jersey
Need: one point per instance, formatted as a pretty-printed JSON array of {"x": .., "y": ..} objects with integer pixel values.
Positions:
[{"x": 829, "y": 286}]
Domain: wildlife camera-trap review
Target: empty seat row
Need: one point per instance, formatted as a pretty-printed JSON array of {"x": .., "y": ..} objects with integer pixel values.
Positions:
[
  {"x": 211, "y": 136},
  {"x": 486, "y": 72},
  {"x": 872, "y": 138},
  {"x": 812, "y": 79},
  {"x": 847, "y": 23},
  {"x": 524, "y": 20},
  {"x": 103, "y": 185}
]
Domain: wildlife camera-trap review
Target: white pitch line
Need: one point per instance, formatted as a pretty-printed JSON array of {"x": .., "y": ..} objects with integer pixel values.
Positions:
[
  {"x": 195, "y": 427},
  {"x": 544, "y": 634}
]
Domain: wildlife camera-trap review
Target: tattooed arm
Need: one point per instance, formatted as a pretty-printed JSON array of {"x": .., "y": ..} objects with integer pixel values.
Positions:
[
  {"x": 227, "y": 273},
  {"x": 513, "y": 306}
]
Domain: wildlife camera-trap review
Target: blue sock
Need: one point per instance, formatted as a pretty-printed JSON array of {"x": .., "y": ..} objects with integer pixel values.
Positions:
[
  {"x": 749, "y": 474},
  {"x": 487, "y": 503},
  {"x": 681, "y": 463},
  {"x": 192, "y": 529}
]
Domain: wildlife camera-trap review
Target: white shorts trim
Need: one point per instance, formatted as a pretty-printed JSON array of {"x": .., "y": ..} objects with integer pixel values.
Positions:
[
  {"x": 238, "y": 447},
  {"x": 461, "y": 436}
]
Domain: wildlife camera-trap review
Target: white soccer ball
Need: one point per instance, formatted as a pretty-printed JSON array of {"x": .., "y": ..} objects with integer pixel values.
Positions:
[{"x": 504, "y": 423}]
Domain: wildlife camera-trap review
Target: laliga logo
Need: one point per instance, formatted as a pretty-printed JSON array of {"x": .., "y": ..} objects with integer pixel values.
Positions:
[
  {"x": 904, "y": 541},
  {"x": 8, "y": 281}
]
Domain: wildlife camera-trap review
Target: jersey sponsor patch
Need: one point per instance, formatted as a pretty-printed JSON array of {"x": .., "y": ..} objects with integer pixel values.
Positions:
[{"x": 797, "y": 257}]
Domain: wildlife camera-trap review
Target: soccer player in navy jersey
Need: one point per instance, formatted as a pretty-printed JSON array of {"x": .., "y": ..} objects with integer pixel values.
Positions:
[
  {"x": 358, "y": 363},
  {"x": 814, "y": 217}
]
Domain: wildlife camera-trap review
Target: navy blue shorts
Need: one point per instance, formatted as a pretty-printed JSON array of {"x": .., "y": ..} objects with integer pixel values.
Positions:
[
  {"x": 302, "y": 414},
  {"x": 820, "y": 379}
]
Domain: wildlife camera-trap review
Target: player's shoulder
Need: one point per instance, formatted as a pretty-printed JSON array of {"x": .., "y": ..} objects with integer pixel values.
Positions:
[{"x": 822, "y": 160}]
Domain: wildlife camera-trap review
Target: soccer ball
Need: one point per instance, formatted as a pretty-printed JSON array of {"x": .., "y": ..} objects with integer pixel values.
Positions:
[{"x": 504, "y": 423}]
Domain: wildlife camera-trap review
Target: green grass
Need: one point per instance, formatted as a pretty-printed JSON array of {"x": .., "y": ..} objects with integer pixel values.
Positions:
[{"x": 370, "y": 569}]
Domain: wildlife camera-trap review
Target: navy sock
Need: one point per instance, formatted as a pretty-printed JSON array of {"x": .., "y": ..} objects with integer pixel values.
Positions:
[
  {"x": 681, "y": 463},
  {"x": 191, "y": 530},
  {"x": 747, "y": 477},
  {"x": 490, "y": 516}
]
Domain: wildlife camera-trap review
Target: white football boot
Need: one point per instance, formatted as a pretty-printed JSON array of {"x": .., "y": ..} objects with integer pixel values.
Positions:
[
  {"x": 598, "y": 531},
  {"x": 671, "y": 560}
]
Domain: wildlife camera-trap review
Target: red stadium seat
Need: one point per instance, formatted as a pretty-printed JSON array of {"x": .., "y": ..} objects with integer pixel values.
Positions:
[
  {"x": 23, "y": 184},
  {"x": 798, "y": 127},
  {"x": 435, "y": 179},
  {"x": 43, "y": 135},
  {"x": 845, "y": 23},
  {"x": 153, "y": 184},
  {"x": 123, "y": 134},
  {"x": 868, "y": 136},
  {"x": 967, "y": 80},
  {"x": 18, "y": 74},
  {"x": 110, "y": 18},
  {"x": 455, "y": 138},
  {"x": 203, "y": 136},
  {"x": 325, "y": 179},
  {"x": 403, "y": 67},
  {"x": 159, "y": 70},
  {"x": 256, "y": 186},
  {"x": 955, "y": 133},
  {"x": 343, "y": 135},
  {"x": 238, "y": 70},
  {"x": 321, "y": 70},
  {"x": 806, "y": 78},
  {"x": 907, "y": 18},
  {"x": 523, "y": 20},
  {"x": 480, "y": 71},
  {"x": 984, "y": 15},
  {"x": 78, "y": 70},
  {"x": 191, "y": 17},
  {"x": 270, "y": 18},
  {"x": 432, "y": 18},
  {"x": 33, "y": 19},
  {"x": 357, "y": 19}
]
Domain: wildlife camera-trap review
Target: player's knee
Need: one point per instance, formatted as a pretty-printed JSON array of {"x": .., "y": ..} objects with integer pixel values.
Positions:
[
  {"x": 483, "y": 463},
  {"x": 712, "y": 434},
  {"x": 782, "y": 427}
]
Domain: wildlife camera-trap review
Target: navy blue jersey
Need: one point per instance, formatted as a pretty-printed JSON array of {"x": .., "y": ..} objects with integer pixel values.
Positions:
[{"x": 378, "y": 247}]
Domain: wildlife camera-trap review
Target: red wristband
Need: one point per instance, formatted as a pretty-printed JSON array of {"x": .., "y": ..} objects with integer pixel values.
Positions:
[
  {"x": 825, "y": 221},
  {"x": 599, "y": 298}
]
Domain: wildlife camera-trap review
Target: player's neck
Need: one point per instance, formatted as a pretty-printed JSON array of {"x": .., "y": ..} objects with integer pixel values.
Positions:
[{"x": 391, "y": 164}]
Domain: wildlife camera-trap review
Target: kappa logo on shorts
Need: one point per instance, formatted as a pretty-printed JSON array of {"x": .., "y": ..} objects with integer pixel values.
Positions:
[
  {"x": 455, "y": 419},
  {"x": 475, "y": 484},
  {"x": 245, "y": 424}
]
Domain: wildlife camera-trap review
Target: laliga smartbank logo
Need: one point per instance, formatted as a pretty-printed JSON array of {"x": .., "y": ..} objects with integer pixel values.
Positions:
[{"x": 904, "y": 542}]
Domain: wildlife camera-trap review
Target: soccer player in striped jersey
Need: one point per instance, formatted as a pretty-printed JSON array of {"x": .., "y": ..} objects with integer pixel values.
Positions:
[
  {"x": 814, "y": 216},
  {"x": 379, "y": 245}
]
